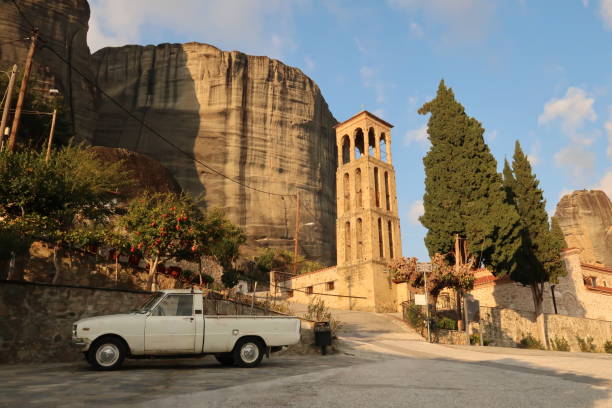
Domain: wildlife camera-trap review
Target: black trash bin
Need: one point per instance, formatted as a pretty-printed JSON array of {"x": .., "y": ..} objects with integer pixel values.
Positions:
[{"x": 323, "y": 335}]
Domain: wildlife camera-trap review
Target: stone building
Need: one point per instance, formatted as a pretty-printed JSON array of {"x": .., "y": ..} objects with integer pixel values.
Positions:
[{"x": 367, "y": 224}]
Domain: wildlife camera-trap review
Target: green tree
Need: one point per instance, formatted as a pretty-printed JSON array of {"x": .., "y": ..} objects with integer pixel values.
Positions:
[
  {"x": 464, "y": 194},
  {"x": 538, "y": 259},
  {"x": 159, "y": 227},
  {"x": 64, "y": 200}
]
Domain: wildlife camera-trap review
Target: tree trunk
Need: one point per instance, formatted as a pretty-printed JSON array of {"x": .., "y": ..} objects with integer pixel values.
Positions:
[
  {"x": 537, "y": 291},
  {"x": 57, "y": 260},
  {"x": 151, "y": 283}
]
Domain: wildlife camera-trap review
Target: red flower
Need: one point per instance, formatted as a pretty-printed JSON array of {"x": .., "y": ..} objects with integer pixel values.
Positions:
[{"x": 132, "y": 249}]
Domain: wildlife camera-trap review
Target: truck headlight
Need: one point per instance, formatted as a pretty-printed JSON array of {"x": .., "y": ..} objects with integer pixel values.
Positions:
[{"x": 74, "y": 330}]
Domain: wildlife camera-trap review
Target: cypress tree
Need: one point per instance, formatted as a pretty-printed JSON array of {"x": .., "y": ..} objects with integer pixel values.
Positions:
[
  {"x": 464, "y": 194},
  {"x": 539, "y": 257}
]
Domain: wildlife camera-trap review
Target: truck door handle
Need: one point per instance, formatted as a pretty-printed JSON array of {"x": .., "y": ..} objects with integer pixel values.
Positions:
[{"x": 188, "y": 318}]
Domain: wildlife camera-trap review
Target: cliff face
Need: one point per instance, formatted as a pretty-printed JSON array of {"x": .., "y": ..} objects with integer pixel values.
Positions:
[
  {"x": 586, "y": 220},
  {"x": 63, "y": 27},
  {"x": 146, "y": 174},
  {"x": 253, "y": 119}
]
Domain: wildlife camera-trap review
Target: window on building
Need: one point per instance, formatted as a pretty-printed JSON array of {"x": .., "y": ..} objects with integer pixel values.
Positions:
[
  {"x": 380, "y": 239},
  {"x": 347, "y": 192},
  {"x": 358, "y": 193},
  {"x": 390, "y": 228},
  {"x": 387, "y": 195},
  {"x": 376, "y": 188},
  {"x": 593, "y": 281},
  {"x": 289, "y": 293},
  {"x": 346, "y": 149},
  {"x": 330, "y": 285},
  {"x": 309, "y": 290},
  {"x": 347, "y": 242},
  {"x": 359, "y": 239}
]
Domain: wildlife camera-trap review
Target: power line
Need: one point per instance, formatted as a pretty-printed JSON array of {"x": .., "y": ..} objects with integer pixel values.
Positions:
[{"x": 143, "y": 124}]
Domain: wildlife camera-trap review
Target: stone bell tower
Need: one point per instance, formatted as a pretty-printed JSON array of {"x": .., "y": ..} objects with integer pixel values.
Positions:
[{"x": 367, "y": 227}]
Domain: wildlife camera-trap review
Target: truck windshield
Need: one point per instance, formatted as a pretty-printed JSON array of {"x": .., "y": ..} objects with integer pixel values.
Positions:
[{"x": 149, "y": 303}]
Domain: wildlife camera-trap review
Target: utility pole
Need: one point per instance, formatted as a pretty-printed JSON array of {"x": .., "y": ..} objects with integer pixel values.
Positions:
[
  {"x": 51, "y": 141},
  {"x": 427, "y": 305},
  {"x": 22, "y": 90},
  {"x": 7, "y": 103},
  {"x": 297, "y": 232}
]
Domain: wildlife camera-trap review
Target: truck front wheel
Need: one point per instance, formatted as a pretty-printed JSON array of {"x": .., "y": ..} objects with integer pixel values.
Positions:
[
  {"x": 248, "y": 352},
  {"x": 106, "y": 354}
]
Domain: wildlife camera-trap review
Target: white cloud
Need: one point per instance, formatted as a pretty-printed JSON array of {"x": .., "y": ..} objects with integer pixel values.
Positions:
[
  {"x": 370, "y": 80},
  {"x": 379, "y": 112},
  {"x": 578, "y": 161},
  {"x": 608, "y": 126},
  {"x": 310, "y": 64},
  {"x": 241, "y": 24},
  {"x": 605, "y": 184},
  {"x": 585, "y": 3},
  {"x": 417, "y": 136},
  {"x": 463, "y": 20},
  {"x": 534, "y": 155},
  {"x": 416, "y": 29},
  {"x": 416, "y": 210},
  {"x": 572, "y": 110},
  {"x": 606, "y": 13}
]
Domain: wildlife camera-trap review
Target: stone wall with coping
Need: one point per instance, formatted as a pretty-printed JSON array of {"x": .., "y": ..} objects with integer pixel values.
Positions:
[
  {"x": 36, "y": 318},
  {"x": 506, "y": 327}
]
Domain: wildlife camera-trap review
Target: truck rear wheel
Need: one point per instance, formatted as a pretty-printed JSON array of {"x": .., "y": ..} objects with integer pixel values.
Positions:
[
  {"x": 226, "y": 359},
  {"x": 248, "y": 352},
  {"x": 106, "y": 354}
]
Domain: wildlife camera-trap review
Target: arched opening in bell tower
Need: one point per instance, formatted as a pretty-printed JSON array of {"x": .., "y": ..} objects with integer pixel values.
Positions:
[
  {"x": 359, "y": 143},
  {"x": 359, "y": 239},
  {"x": 371, "y": 142},
  {"x": 347, "y": 242},
  {"x": 383, "y": 147}
]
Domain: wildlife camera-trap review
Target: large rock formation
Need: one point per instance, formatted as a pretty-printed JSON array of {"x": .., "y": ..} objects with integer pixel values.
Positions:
[
  {"x": 63, "y": 26},
  {"x": 146, "y": 174},
  {"x": 585, "y": 216},
  {"x": 262, "y": 124}
]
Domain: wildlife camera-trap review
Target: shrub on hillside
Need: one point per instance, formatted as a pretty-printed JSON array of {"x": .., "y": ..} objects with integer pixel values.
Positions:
[
  {"x": 608, "y": 346},
  {"x": 530, "y": 342},
  {"x": 560, "y": 344},
  {"x": 586, "y": 345}
]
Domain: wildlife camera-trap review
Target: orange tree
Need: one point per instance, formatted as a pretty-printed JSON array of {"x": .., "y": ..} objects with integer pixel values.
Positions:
[{"x": 159, "y": 227}]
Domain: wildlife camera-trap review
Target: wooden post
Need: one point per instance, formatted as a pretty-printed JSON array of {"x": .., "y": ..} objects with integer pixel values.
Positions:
[
  {"x": 297, "y": 232},
  {"x": 22, "y": 91},
  {"x": 51, "y": 136},
  {"x": 7, "y": 104},
  {"x": 253, "y": 298}
]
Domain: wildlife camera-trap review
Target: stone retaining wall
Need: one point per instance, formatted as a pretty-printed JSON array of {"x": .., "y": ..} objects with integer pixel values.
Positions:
[
  {"x": 36, "y": 319},
  {"x": 506, "y": 327}
]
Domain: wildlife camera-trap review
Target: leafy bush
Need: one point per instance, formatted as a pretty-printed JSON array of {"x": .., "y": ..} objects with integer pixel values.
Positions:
[
  {"x": 560, "y": 344},
  {"x": 446, "y": 323},
  {"x": 318, "y": 312},
  {"x": 530, "y": 342},
  {"x": 415, "y": 316},
  {"x": 586, "y": 345},
  {"x": 608, "y": 346}
]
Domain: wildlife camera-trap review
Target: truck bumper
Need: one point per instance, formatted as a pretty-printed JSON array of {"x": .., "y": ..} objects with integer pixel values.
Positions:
[{"x": 82, "y": 343}]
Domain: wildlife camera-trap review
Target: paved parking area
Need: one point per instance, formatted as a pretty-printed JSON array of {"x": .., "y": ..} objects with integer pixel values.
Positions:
[{"x": 76, "y": 384}]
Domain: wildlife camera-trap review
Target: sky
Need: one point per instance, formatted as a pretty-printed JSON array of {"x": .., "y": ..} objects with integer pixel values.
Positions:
[{"x": 537, "y": 71}]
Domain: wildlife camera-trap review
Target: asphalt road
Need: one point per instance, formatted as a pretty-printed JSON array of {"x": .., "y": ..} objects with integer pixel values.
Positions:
[{"x": 381, "y": 364}]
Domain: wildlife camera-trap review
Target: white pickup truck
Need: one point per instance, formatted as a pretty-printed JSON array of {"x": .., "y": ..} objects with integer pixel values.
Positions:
[{"x": 172, "y": 323}]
